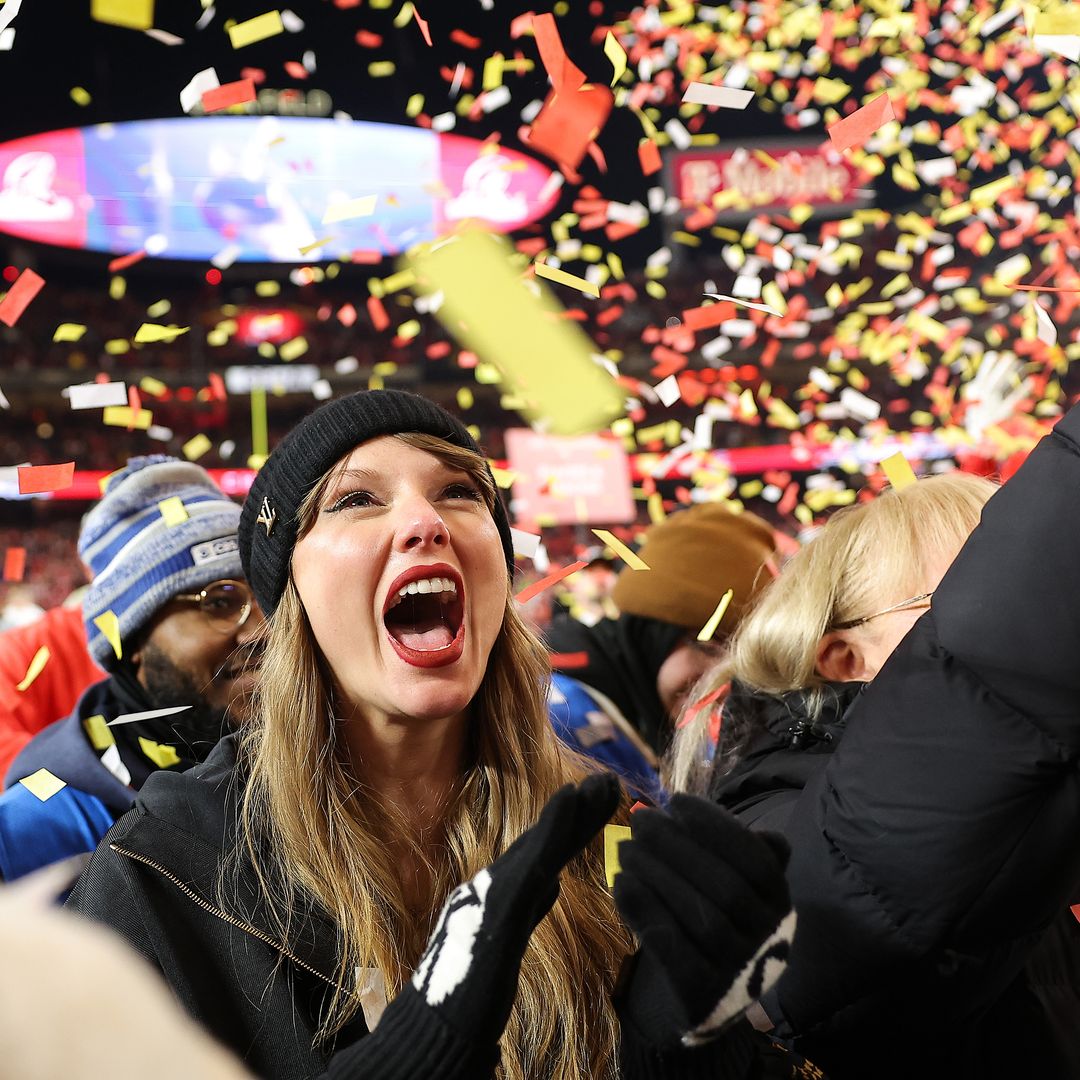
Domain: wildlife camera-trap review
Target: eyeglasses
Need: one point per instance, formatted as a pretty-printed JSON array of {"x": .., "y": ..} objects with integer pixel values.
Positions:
[
  {"x": 225, "y": 604},
  {"x": 910, "y": 602}
]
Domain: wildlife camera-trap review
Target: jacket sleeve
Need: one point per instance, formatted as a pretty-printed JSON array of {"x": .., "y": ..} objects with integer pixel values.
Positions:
[{"x": 945, "y": 823}]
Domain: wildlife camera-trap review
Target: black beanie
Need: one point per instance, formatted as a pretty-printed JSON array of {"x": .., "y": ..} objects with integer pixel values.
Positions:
[{"x": 268, "y": 522}]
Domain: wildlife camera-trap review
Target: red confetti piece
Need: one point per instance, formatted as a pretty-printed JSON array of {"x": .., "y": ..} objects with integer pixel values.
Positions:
[
  {"x": 379, "y": 318},
  {"x": 34, "y": 479},
  {"x": 569, "y": 122},
  {"x": 14, "y": 564},
  {"x": 565, "y": 74},
  {"x": 424, "y": 28},
  {"x": 229, "y": 94},
  {"x": 855, "y": 129},
  {"x": 26, "y": 286},
  {"x": 461, "y": 38},
  {"x": 122, "y": 262},
  {"x": 569, "y": 660},
  {"x": 537, "y": 587},
  {"x": 649, "y": 156}
]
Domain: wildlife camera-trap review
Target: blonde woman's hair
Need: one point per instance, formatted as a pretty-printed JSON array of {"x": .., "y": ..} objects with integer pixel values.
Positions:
[
  {"x": 866, "y": 557},
  {"x": 318, "y": 836}
]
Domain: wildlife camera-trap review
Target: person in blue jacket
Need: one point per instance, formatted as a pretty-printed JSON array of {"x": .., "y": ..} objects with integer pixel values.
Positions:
[{"x": 169, "y": 616}]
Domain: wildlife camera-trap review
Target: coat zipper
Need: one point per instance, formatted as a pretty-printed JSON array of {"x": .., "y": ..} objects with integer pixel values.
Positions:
[{"x": 223, "y": 915}]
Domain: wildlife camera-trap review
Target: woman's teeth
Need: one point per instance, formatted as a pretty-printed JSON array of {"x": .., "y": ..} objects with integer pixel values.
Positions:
[{"x": 428, "y": 585}]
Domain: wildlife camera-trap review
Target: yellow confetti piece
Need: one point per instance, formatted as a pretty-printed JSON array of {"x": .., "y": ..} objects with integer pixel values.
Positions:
[
  {"x": 364, "y": 206},
  {"x": 161, "y": 754},
  {"x": 68, "y": 331},
  {"x": 898, "y": 470},
  {"x": 563, "y": 278},
  {"x": 126, "y": 416},
  {"x": 154, "y": 387},
  {"x": 173, "y": 510},
  {"x": 616, "y": 55},
  {"x": 767, "y": 159},
  {"x": 403, "y": 279},
  {"x": 655, "y": 505},
  {"x": 155, "y": 332},
  {"x": 80, "y": 95},
  {"x": 132, "y": 14},
  {"x": 37, "y": 665},
  {"x": 380, "y": 69},
  {"x": 631, "y": 558},
  {"x": 493, "y": 72},
  {"x": 614, "y": 835},
  {"x": 267, "y": 288},
  {"x": 544, "y": 359},
  {"x": 259, "y": 447},
  {"x": 415, "y": 106},
  {"x": 293, "y": 348},
  {"x": 43, "y": 784},
  {"x": 109, "y": 625},
  {"x": 262, "y": 26},
  {"x": 307, "y": 249},
  {"x": 116, "y": 346},
  {"x": 97, "y": 731},
  {"x": 707, "y": 631},
  {"x": 196, "y": 447}
]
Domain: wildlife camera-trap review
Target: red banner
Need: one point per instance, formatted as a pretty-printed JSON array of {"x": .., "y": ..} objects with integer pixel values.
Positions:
[{"x": 771, "y": 177}]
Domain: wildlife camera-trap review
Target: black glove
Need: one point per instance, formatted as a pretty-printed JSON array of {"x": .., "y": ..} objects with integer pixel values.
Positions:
[
  {"x": 447, "y": 1021},
  {"x": 708, "y": 902}
]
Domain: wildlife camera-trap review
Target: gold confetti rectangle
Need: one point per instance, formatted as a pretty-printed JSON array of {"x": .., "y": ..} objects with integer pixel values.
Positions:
[
  {"x": 196, "y": 447},
  {"x": 37, "y": 665},
  {"x": 563, "y": 278},
  {"x": 545, "y": 359},
  {"x": 631, "y": 558},
  {"x": 364, "y": 206},
  {"x": 707, "y": 631},
  {"x": 262, "y": 26},
  {"x": 43, "y": 784},
  {"x": 173, "y": 510},
  {"x": 898, "y": 470},
  {"x": 614, "y": 835}
]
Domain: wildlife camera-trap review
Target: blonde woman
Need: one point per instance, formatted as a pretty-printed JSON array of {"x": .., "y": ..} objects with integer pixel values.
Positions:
[
  {"x": 400, "y": 746},
  {"x": 913, "y": 730}
]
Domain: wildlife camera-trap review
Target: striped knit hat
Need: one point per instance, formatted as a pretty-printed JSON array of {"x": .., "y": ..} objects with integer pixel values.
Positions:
[{"x": 138, "y": 560}]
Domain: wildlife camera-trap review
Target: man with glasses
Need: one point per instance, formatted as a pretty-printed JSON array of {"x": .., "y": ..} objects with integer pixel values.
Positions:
[{"x": 171, "y": 620}]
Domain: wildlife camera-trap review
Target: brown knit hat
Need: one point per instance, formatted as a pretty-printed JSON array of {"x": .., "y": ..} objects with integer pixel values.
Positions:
[{"x": 694, "y": 557}]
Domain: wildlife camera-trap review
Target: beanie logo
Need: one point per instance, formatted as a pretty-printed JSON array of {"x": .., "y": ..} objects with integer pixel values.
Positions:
[
  {"x": 214, "y": 549},
  {"x": 267, "y": 516}
]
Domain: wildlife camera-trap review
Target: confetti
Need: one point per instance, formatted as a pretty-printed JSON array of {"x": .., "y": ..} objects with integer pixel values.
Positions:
[
  {"x": 69, "y": 332},
  {"x": 722, "y": 97},
  {"x": 97, "y": 395},
  {"x": 227, "y": 95},
  {"x": 132, "y": 14},
  {"x": 161, "y": 754},
  {"x": 37, "y": 479},
  {"x": 109, "y": 625},
  {"x": 37, "y": 666},
  {"x": 709, "y": 629},
  {"x": 631, "y": 558},
  {"x": 42, "y": 784},
  {"x": 14, "y": 563},
  {"x": 614, "y": 835},
  {"x": 354, "y": 208},
  {"x": 257, "y": 29},
  {"x": 537, "y": 587},
  {"x": 563, "y": 278},
  {"x": 26, "y": 286},
  {"x": 616, "y": 54},
  {"x": 898, "y": 470},
  {"x": 259, "y": 444},
  {"x": 127, "y": 417},
  {"x": 854, "y": 130},
  {"x": 150, "y": 714},
  {"x": 97, "y": 731},
  {"x": 173, "y": 510},
  {"x": 192, "y": 94},
  {"x": 525, "y": 543},
  {"x": 195, "y": 447},
  {"x": 150, "y": 332},
  {"x": 540, "y": 355}
]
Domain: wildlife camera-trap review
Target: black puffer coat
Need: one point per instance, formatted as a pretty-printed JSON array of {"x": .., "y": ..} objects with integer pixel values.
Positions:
[{"x": 938, "y": 841}]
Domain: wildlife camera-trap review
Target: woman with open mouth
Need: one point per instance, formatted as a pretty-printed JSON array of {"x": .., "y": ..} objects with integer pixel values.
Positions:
[{"x": 400, "y": 745}]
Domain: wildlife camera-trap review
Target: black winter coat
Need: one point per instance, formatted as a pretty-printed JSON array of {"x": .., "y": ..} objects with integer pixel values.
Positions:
[
  {"x": 155, "y": 880},
  {"x": 936, "y": 843}
]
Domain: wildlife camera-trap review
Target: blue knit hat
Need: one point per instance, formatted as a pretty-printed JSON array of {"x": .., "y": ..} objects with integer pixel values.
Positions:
[{"x": 139, "y": 561}]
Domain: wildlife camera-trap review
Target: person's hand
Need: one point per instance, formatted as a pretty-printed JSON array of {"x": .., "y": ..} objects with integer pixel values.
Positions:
[
  {"x": 708, "y": 902},
  {"x": 454, "y": 1009}
]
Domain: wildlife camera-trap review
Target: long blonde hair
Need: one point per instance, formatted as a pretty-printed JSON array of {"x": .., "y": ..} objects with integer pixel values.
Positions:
[
  {"x": 864, "y": 558},
  {"x": 316, "y": 833}
]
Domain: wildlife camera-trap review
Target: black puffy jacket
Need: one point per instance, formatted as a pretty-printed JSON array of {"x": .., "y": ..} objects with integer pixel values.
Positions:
[{"x": 936, "y": 843}]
